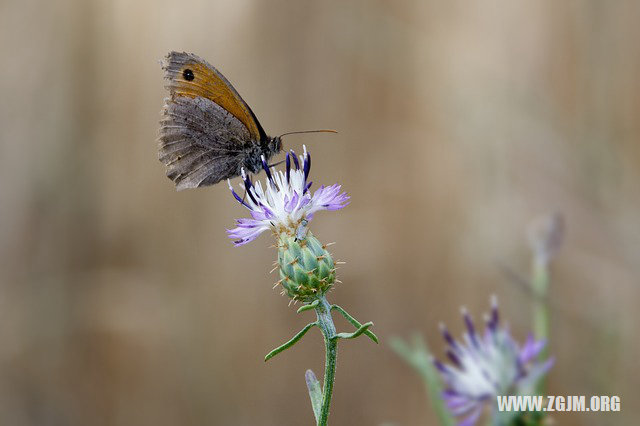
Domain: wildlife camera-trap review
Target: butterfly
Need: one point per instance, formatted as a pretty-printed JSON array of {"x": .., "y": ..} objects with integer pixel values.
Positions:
[{"x": 208, "y": 133}]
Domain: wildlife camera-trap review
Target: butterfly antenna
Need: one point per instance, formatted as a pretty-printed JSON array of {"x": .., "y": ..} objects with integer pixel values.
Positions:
[{"x": 309, "y": 131}]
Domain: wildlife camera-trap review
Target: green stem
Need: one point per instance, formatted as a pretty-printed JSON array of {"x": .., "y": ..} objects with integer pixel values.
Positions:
[
  {"x": 325, "y": 322},
  {"x": 540, "y": 286}
]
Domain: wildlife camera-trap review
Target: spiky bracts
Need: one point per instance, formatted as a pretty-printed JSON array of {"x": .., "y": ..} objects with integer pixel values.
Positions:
[{"x": 307, "y": 270}]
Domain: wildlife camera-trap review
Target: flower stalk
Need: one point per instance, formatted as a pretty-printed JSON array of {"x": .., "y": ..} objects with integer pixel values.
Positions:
[
  {"x": 540, "y": 287},
  {"x": 321, "y": 405},
  {"x": 546, "y": 234},
  {"x": 325, "y": 323}
]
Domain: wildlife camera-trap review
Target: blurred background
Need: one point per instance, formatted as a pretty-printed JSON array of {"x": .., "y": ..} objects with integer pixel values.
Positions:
[{"x": 122, "y": 302}]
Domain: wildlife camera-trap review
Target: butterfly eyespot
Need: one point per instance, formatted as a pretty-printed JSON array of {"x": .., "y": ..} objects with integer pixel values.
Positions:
[{"x": 188, "y": 74}]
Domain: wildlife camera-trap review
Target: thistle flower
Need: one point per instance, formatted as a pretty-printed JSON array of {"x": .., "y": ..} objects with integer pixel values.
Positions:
[
  {"x": 285, "y": 205},
  {"x": 487, "y": 365},
  {"x": 307, "y": 270}
]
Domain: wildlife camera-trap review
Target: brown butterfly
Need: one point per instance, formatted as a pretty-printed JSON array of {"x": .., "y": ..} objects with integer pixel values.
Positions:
[{"x": 208, "y": 133}]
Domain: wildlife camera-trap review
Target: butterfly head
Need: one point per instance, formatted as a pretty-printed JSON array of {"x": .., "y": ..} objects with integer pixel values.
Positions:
[
  {"x": 257, "y": 155},
  {"x": 269, "y": 149},
  {"x": 274, "y": 145}
]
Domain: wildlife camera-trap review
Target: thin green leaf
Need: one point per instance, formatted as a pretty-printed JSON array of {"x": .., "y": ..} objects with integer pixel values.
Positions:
[
  {"x": 309, "y": 306},
  {"x": 355, "y": 323},
  {"x": 363, "y": 328},
  {"x": 290, "y": 343}
]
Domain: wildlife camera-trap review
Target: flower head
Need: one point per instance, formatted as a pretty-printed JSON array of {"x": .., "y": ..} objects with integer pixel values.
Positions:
[
  {"x": 487, "y": 365},
  {"x": 285, "y": 205}
]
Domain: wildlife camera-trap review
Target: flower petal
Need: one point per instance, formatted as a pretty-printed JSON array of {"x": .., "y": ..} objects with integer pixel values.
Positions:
[{"x": 284, "y": 201}]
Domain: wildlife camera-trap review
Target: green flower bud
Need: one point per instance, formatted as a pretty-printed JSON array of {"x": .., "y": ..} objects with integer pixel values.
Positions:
[{"x": 307, "y": 270}]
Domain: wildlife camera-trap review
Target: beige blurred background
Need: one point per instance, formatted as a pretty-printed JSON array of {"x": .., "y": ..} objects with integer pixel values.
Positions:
[{"x": 122, "y": 302}]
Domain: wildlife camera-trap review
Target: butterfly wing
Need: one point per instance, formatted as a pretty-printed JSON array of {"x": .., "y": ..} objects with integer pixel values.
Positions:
[
  {"x": 193, "y": 77},
  {"x": 200, "y": 142},
  {"x": 207, "y": 130}
]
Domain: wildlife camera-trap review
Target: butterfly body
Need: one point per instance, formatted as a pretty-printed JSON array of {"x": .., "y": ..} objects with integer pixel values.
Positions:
[{"x": 207, "y": 132}]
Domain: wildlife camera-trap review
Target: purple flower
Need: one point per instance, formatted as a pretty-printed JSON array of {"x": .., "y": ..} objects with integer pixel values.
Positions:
[
  {"x": 285, "y": 204},
  {"x": 486, "y": 365}
]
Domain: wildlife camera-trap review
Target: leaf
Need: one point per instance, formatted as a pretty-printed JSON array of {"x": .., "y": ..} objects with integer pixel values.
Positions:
[
  {"x": 355, "y": 323},
  {"x": 290, "y": 343},
  {"x": 315, "y": 393}
]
